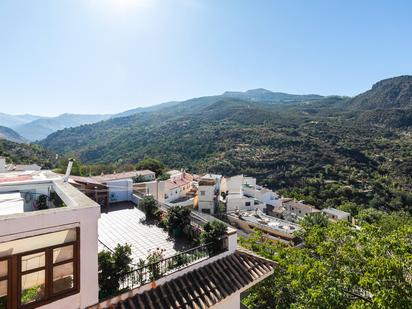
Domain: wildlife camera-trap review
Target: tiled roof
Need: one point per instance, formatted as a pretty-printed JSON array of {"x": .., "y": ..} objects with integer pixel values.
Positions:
[
  {"x": 205, "y": 286},
  {"x": 171, "y": 184}
]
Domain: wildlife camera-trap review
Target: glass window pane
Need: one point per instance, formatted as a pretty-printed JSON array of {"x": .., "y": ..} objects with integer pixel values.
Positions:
[
  {"x": 63, "y": 277},
  {"x": 32, "y": 287},
  {"x": 3, "y": 288},
  {"x": 3, "y": 268},
  {"x": 33, "y": 261},
  {"x": 3, "y": 294},
  {"x": 37, "y": 242},
  {"x": 62, "y": 254}
]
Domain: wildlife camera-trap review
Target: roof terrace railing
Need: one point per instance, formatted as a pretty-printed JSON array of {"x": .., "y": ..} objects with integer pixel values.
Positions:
[{"x": 154, "y": 271}]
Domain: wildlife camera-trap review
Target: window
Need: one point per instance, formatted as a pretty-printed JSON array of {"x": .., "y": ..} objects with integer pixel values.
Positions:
[
  {"x": 247, "y": 203},
  {"x": 4, "y": 282},
  {"x": 36, "y": 277},
  {"x": 202, "y": 193}
]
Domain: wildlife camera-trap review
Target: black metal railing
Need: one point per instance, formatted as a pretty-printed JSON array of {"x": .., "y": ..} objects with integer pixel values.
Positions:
[{"x": 153, "y": 271}]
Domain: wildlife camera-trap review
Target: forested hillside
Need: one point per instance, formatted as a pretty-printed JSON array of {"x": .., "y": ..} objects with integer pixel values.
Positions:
[
  {"x": 329, "y": 151},
  {"x": 11, "y": 135},
  {"x": 26, "y": 154}
]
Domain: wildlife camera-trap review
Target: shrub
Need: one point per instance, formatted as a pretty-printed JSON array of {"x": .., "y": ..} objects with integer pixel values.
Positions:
[
  {"x": 212, "y": 233},
  {"x": 42, "y": 202},
  {"x": 178, "y": 219},
  {"x": 113, "y": 267},
  {"x": 149, "y": 206},
  {"x": 153, "y": 261}
]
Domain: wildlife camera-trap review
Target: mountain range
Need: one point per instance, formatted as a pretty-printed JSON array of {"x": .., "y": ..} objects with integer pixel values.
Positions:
[
  {"x": 35, "y": 128},
  {"x": 325, "y": 150},
  {"x": 11, "y": 135}
]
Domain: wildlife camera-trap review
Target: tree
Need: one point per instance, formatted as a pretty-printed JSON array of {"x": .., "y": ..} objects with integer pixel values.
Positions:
[
  {"x": 339, "y": 267},
  {"x": 178, "y": 219},
  {"x": 149, "y": 205},
  {"x": 212, "y": 234},
  {"x": 77, "y": 168},
  {"x": 315, "y": 219},
  {"x": 113, "y": 266},
  {"x": 151, "y": 164}
]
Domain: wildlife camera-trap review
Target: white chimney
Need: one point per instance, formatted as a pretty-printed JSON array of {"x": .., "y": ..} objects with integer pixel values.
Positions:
[
  {"x": 2, "y": 164},
  {"x": 68, "y": 170}
]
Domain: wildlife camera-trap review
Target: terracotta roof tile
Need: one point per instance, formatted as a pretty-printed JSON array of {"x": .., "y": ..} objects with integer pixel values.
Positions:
[{"x": 205, "y": 286}]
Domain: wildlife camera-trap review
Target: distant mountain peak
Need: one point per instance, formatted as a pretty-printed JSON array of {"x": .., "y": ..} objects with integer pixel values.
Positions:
[{"x": 395, "y": 92}]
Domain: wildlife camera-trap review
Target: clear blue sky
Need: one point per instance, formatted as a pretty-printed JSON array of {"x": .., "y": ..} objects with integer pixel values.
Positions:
[{"x": 106, "y": 56}]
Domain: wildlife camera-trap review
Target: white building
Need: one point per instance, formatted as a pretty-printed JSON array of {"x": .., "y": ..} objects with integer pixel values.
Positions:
[
  {"x": 48, "y": 242},
  {"x": 295, "y": 210},
  {"x": 273, "y": 228},
  {"x": 336, "y": 214},
  {"x": 177, "y": 187},
  {"x": 120, "y": 185},
  {"x": 208, "y": 195},
  {"x": 242, "y": 193}
]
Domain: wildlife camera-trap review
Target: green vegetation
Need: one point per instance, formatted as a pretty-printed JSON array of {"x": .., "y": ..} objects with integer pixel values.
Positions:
[
  {"x": 150, "y": 208},
  {"x": 153, "y": 260},
  {"x": 151, "y": 164},
  {"x": 32, "y": 294},
  {"x": 26, "y": 154},
  {"x": 178, "y": 219},
  {"x": 42, "y": 202},
  {"x": 327, "y": 151},
  {"x": 212, "y": 232},
  {"x": 113, "y": 266},
  {"x": 340, "y": 266}
]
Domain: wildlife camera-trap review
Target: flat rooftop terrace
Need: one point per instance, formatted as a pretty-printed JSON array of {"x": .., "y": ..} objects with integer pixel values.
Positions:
[
  {"x": 259, "y": 218},
  {"x": 15, "y": 177},
  {"x": 123, "y": 223}
]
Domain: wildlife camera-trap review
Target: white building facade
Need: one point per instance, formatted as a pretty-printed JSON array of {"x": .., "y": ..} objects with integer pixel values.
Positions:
[{"x": 48, "y": 246}]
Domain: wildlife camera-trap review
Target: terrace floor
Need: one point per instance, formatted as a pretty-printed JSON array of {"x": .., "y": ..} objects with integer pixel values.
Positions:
[{"x": 123, "y": 223}]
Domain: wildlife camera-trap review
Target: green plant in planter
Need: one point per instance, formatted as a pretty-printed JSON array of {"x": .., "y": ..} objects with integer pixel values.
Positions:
[
  {"x": 192, "y": 233},
  {"x": 153, "y": 262},
  {"x": 212, "y": 232},
  {"x": 178, "y": 219},
  {"x": 56, "y": 200},
  {"x": 113, "y": 268},
  {"x": 42, "y": 202},
  {"x": 140, "y": 273}
]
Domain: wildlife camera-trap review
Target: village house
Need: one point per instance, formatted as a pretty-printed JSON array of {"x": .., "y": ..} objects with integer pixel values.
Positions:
[
  {"x": 273, "y": 228},
  {"x": 48, "y": 242},
  {"x": 120, "y": 185},
  {"x": 242, "y": 193},
  {"x": 50, "y": 236},
  {"x": 295, "y": 210},
  {"x": 335, "y": 215},
  {"x": 208, "y": 194}
]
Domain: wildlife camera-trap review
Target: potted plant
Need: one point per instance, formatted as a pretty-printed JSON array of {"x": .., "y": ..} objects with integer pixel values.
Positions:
[{"x": 42, "y": 202}]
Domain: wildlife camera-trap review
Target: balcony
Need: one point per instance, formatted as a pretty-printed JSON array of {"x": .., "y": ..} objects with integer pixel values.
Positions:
[
  {"x": 125, "y": 223},
  {"x": 167, "y": 266}
]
